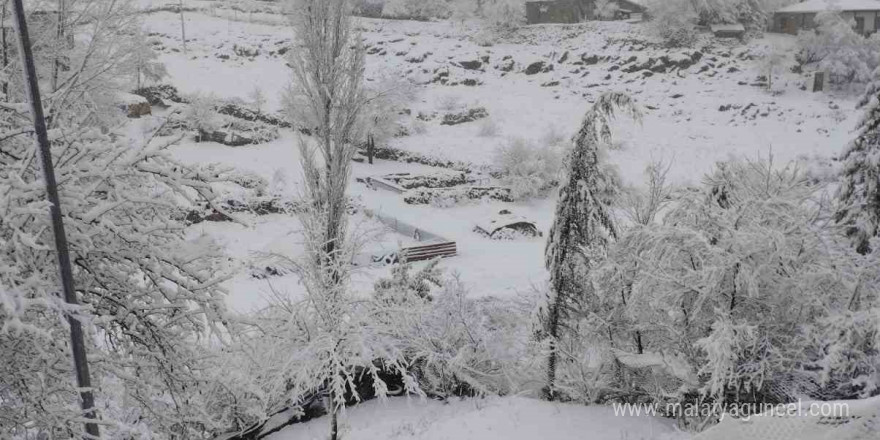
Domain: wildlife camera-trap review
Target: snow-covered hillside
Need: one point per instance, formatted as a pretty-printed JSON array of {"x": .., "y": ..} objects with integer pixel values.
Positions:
[{"x": 701, "y": 105}]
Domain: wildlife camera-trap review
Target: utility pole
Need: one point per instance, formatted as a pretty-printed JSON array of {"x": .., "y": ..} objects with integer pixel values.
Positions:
[
  {"x": 77, "y": 345},
  {"x": 182, "y": 26}
]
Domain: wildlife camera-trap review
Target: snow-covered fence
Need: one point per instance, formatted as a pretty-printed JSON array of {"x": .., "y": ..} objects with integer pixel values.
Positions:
[{"x": 424, "y": 245}]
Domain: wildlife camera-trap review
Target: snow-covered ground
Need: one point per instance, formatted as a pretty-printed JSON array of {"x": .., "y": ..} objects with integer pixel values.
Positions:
[
  {"x": 510, "y": 418},
  {"x": 705, "y": 109}
]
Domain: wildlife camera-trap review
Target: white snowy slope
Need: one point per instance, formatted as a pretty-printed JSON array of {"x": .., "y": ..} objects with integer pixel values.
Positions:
[
  {"x": 694, "y": 116},
  {"x": 507, "y": 418}
]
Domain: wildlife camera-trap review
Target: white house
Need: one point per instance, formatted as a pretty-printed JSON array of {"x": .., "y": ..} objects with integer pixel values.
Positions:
[{"x": 864, "y": 13}]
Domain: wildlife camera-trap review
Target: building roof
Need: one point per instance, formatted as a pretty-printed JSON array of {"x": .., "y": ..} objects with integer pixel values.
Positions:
[
  {"x": 825, "y": 5},
  {"x": 735, "y": 27}
]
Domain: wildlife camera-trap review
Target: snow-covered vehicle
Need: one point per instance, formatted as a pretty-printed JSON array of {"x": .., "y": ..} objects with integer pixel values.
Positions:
[{"x": 507, "y": 226}]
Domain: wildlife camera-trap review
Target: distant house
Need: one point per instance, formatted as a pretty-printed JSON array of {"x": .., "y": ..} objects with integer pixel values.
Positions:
[
  {"x": 574, "y": 11},
  {"x": 864, "y": 13}
]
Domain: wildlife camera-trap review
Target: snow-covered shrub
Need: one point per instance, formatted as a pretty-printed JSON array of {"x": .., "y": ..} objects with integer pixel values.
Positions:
[
  {"x": 742, "y": 290},
  {"x": 488, "y": 128},
  {"x": 447, "y": 197},
  {"x": 606, "y": 9},
  {"x": 416, "y": 9},
  {"x": 449, "y": 103},
  {"x": 459, "y": 345},
  {"x": 418, "y": 127},
  {"x": 674, "y": 21},
  {"x": 835, "y": 47},
  {"x": 529, "y": 170},
  {"x": 462, "y": 10},
  {"x": 554, "y": 136},
  {"x": 382, "y": 116},
  {"x": 201, "y": 114},
  {"x": 772, "y": 62},
  {"x": 504, "y": 15}
]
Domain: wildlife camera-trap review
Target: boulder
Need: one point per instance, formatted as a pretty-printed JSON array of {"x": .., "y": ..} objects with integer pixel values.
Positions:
[
  {"x": 538, "y": 67},
  {"x": 471, "y": 65}
]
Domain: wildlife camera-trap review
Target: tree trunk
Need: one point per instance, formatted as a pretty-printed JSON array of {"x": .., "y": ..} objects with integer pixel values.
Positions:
[
  {"x": 552, "y": 356},
  {"x": 334, "y": 418},
  {"x": 371, "y": 147},
  {"x": 182, "y": 27}
]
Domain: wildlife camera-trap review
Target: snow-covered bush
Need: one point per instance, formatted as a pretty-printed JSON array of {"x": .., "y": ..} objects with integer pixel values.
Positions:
[
  {"x": 462, "y": 10},
  {"x": 383, "y": 113},
  {"x": 416, "y": 9},
  {"x": 504, "y": 15},
  {"x": 606, "y": 9},
  {"x": 488, "y": 128},
  {"x": 201, "y": 113},
  {"x": 529, "y": 170},
  {"x": 449, "y": 103},
  {"x": 772, "y": 62},
  {"x": 674, "y": 21},
  {"x": 835, "y": 47},
  {"x": 459, "y": 345},
  {"x": 701, "y": 303}
]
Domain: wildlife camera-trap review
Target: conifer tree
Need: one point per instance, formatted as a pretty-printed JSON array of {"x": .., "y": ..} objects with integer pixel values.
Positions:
[
  {"x": 859, "y": 191},
  {"x": 583, "y": 226}
]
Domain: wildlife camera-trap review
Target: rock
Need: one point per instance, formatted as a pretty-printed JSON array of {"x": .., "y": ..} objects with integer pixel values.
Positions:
[
  {"x": 225, "y": 138},
  {"x": 471, "y": 65},
  {"x": 676, "y": 96},
  {"x": 506, "y": 65},
  {"x": 550, "y": 84},
  {"x": 725, "y": 107},
  {"x": 418, "y": 58},
  {"x": 470, "y": 82},
  {"x": 589, "y": 60},
  {"x": 538, "y": 67},
  {"x": 139, "y": 109},
  {"x": 563, "y": 58},
  {"x": 463, "y": 117},
  {"x": 644, "y": 66}
]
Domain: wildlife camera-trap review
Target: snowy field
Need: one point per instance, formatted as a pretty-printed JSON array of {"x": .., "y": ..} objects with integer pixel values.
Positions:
[{"x": 709, "y": 109}]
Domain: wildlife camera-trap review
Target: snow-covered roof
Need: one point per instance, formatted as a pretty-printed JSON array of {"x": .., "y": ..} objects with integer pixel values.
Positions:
[
  {"x": 825, "y": 5},
  {"x": 735, "y": 27}
]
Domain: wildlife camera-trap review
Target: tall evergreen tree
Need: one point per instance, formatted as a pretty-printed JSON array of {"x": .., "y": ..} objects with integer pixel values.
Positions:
[
  {"x": 859, "y": 191},
  {"x": 583, "y": 227}
]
